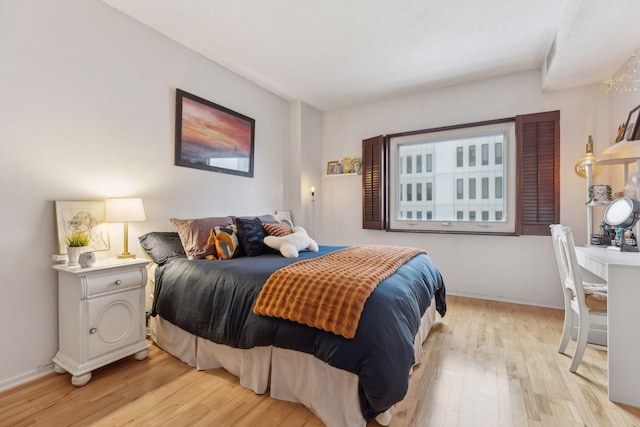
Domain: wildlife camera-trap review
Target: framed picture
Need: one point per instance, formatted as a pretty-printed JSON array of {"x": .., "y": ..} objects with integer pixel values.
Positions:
[
  {"x": 332, "y": 167},
  {"x": 85, "y": 216},
  {"x": 631, "y": 128},
  {"x": 212, "y": 137},
  {"x": 599, "y": 195},
  {"x": 284, "y": 216}
]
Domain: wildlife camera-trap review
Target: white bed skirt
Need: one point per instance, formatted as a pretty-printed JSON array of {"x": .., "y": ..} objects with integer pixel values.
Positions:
[{"x": 288, "y": 374}]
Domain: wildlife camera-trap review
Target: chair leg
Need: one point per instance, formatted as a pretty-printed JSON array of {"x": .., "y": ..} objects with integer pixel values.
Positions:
[
  {"x": 566, "y": 329},
  {"x": 581, "y": 343}
]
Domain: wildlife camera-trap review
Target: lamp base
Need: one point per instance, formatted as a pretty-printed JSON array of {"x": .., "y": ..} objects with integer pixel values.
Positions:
[{"x": 126, "y": 255}]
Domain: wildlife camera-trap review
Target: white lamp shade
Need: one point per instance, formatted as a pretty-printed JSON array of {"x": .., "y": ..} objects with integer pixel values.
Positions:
[{"x": 124, "y": 210}]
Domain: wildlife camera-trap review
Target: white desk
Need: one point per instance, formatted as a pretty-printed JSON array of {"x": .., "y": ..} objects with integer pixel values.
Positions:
[{"x": 622, "y": 273}]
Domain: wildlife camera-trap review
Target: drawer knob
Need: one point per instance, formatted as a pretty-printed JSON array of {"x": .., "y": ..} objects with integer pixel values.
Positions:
[
  {"x": 118, "y": 282},
  {"x": 93, "y": 330}
]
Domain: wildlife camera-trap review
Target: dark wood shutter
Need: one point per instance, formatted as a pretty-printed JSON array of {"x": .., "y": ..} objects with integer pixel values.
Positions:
[
  {"x": 538, "y": 200},
  {"x": 373, "y": 184}
]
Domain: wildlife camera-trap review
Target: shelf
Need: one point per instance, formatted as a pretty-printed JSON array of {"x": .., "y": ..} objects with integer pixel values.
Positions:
[
  {"x": 341, "y": 174},
  {"x": 620, "y": 153}
]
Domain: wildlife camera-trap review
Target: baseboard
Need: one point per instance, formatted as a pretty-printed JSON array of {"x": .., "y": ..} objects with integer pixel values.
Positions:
[
  {"x": 509, "y": 300},
  {"x": 26, "y": 377}
]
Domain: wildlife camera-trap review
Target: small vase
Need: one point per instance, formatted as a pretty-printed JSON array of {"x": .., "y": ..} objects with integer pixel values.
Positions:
[{"x": 73, "y": 252}]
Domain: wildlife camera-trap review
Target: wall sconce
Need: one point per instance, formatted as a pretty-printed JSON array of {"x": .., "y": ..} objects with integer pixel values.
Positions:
[
  {"x": 580, "y": 167},
  {"x": 125, "y": 211},
  {"x": 313, "y": 194}
]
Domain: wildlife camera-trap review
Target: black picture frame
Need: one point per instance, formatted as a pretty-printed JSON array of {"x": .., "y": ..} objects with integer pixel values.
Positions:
[
  {"x": 212, "y": 137},
  {"x": 631, "y": 127}
]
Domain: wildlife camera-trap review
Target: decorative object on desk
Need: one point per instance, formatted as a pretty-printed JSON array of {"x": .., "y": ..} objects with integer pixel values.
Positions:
[
  {"x": 634, "y": 186},
  {"x": 631, "y": 128},
  {"x": 212, "y": 137},
  {"x": 332, "y": 167},
  {"x": 623, "y": 213},
  {"x": 77, "y": 243},
  {"x": 581, "y": 167},
  {"x": 85, "y": 217},
  {"x": 87, "y": 259},
  {"x": 607, "y": 234},
  {"x": 125, "y": 210},
  {"x": 599, "y": 195}
]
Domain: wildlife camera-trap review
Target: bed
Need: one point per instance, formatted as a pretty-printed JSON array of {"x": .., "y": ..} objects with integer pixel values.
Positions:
[{"x": 203, "y": 314}]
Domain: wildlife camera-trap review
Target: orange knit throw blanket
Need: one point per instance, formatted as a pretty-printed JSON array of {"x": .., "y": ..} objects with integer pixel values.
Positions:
[{"x": 329, "y": 292}]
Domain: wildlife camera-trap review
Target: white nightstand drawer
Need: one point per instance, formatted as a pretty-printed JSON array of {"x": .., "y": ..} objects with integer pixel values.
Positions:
[{"x": 114, "y": 282}]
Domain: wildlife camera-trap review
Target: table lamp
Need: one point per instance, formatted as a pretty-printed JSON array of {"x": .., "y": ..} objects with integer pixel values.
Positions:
[{"x": 124, "y": 210}]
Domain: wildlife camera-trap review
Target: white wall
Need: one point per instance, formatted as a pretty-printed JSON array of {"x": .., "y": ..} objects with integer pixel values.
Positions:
[
  {"x": 89, "y": 89},
  {"x": 519, "y": 269},
  {"x": 87, "y": 112}
]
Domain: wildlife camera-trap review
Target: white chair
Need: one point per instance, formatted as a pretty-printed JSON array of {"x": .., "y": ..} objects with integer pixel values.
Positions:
[{"x": 586, "y": 300}]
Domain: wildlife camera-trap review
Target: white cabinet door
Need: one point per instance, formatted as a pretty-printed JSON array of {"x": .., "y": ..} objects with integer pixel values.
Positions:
[{"x": 113, "y": 322}]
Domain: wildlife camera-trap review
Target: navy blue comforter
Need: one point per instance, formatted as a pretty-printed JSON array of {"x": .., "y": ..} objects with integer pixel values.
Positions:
[{"x": 215, "y": 299}]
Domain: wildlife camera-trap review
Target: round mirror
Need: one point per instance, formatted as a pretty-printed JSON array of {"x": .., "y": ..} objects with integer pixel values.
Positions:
[{"x": 622, "y": 212}]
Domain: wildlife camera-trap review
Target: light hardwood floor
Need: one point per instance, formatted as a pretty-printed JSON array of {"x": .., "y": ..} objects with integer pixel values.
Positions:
[{"x": 486, "y": 364}]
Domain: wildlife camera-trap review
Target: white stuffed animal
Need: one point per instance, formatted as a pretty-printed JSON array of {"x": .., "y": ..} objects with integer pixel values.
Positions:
[{"x": 290, "y": 244}]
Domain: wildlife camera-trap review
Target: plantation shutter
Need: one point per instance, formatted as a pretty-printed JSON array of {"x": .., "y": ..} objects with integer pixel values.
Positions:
[
  {"x": 373, "y": 184},
  {"x": 538, "y": 199}
]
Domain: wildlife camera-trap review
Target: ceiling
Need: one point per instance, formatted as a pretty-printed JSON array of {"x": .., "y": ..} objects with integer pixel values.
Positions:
[{"x": 333, "y": 54}]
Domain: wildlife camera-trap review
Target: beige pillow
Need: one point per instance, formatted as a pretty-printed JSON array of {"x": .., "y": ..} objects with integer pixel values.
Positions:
[{"x": 194, "y": 234}]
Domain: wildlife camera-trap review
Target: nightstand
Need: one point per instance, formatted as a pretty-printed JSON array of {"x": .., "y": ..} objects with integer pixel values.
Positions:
[{"x": 101, "y": 316}]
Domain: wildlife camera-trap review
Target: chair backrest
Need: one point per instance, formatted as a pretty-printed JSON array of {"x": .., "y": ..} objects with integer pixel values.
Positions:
[{"x": 568, "y": 263}]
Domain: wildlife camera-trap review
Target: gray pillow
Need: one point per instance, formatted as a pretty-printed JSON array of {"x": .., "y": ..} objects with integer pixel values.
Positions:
[{"x": 162, "y": 246}]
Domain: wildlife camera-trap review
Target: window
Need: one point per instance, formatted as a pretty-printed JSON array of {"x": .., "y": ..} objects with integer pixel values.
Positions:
[
  {"x": 409, "y": 215},
  {"x": 485, "y": 154},
  {"x": 525, "y": 200},
  {"x": 485, "y": 215},
  {"x": 452, "y": 154},
  {"x": 419, "y": 163},
  {"x": 419, "y": 192},
  {"x": 409, "y": 192},
  {"x": 409, "y": 164},
  {"x": 485, "y": 188},
  {"x": 419, "y": 215},
  {"x": 498, "y": 154}
]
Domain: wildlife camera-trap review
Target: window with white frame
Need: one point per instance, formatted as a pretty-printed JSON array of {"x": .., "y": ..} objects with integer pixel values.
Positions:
[{"x": 462, "y": 193}]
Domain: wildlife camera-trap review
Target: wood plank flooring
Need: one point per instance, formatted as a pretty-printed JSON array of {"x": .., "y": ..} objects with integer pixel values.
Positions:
[{"x": 486, "y": 364}]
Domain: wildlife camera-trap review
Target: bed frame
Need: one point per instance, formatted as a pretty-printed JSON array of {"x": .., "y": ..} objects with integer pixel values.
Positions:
[{"x": 287, "y": 374}]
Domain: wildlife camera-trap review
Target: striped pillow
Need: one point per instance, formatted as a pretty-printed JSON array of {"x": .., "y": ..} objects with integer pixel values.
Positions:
[{"x": 278, "y": 230}]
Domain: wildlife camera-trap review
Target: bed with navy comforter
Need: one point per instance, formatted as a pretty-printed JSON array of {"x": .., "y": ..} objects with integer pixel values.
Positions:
[{"x": 215, "y": 300}]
